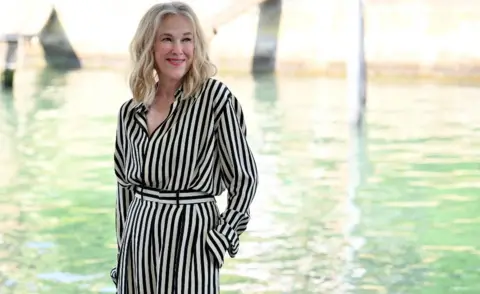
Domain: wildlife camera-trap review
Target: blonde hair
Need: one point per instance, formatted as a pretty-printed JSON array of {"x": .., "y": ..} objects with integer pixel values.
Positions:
[{"x": 143, "y": 77}]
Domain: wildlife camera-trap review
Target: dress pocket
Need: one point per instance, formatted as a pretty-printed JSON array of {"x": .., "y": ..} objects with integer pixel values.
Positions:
[{"x": 214, "y": 244}]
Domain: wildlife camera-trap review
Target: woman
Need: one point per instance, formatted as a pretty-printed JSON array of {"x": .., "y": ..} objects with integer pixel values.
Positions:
[{"x": 180, "y": 141}]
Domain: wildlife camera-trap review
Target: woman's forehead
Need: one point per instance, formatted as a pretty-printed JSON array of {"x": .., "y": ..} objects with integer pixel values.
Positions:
[{"x": 175, "y": 24}]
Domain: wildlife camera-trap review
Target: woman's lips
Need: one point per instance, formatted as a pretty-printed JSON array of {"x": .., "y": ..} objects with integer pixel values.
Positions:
[{"x": 175, "y": 61}]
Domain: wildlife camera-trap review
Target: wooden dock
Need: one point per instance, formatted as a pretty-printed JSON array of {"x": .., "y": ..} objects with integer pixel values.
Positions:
[{"x": 9, "y": 65}]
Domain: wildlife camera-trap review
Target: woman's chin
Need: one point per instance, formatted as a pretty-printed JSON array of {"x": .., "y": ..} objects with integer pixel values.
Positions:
[{"x": 175, "y": 75}]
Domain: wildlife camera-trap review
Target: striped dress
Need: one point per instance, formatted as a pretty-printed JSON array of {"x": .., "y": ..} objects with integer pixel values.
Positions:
[{"x": 171, "y": 235}]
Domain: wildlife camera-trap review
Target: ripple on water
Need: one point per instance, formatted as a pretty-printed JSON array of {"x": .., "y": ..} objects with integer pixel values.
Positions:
[{"x": 390, "y": 210}]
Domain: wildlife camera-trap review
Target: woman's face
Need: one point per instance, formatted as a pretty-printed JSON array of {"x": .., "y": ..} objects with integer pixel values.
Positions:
[{"x": 174, "y": 47}]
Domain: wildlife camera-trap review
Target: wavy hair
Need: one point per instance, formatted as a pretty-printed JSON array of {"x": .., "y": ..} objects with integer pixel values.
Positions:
[{"x": 143, "y": 77}]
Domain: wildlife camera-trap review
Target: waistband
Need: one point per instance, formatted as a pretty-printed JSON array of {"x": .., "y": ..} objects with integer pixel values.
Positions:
[{"x": 172, "y": 197}]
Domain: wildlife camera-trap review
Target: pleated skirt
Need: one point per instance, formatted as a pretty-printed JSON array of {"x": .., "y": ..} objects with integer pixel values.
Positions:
[{"x": 163, "y": 249}]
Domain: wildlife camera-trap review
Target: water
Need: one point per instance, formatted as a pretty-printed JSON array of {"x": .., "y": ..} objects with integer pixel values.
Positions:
[{"x": 393, "y": 209}]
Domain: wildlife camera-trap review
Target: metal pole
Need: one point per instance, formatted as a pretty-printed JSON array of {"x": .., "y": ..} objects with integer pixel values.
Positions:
[{"x": 356, "y": 68}]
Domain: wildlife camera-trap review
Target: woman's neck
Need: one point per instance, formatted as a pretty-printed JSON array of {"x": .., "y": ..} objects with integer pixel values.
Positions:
[{"x": 166, "y": 88}]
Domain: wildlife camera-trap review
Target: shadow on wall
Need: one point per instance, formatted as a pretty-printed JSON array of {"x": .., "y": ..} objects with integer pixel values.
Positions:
[
  {"x": 265, "y": 54},
  {"x": 58, "y": 51}
]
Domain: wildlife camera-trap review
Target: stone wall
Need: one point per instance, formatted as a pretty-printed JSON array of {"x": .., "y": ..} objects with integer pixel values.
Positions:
[{"x": 403, "y": 37}]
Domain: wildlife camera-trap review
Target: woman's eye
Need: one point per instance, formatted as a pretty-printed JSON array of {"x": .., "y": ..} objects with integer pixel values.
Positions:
[
  {"x": 166, "y": 39},
  {"x": 187, "y": 40}
]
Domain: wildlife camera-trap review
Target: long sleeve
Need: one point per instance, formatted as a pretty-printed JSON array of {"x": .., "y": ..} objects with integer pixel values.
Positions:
[
  {"x": 239, "y": 172},
  {"x": 123, "y": 195}
]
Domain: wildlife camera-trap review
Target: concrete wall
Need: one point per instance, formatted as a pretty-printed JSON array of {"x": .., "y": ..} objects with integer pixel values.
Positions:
[{"x": 420, "y": 37}]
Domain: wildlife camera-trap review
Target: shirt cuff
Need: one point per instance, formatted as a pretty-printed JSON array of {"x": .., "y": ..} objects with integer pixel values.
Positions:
[{"x": 220, "y": 240}]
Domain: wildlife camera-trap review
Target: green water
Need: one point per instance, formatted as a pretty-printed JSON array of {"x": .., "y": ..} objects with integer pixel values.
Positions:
[{"x": 394, "y": 209}]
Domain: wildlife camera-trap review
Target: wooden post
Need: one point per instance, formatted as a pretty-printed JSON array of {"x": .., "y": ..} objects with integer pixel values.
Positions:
[
  {"x": 356, "y": 68},
  {"x": 8, "y": 71},
  {"x": 357, "y": 94}
]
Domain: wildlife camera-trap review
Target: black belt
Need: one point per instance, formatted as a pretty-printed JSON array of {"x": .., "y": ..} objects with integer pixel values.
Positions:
[{"x": 172, "y": 197}]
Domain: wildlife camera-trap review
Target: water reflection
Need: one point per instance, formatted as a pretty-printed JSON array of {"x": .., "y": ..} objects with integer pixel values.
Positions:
[
  {"x": 358, "y": 172},
  {"x": 22, "y": 167},
  {"x": 393, "y": 210},
  {"x": 49, "y": 227},
  {"x": 421, "y": 186}
]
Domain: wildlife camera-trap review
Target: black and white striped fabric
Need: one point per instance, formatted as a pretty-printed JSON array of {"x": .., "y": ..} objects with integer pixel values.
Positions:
[{"x": 171, "y": 236}]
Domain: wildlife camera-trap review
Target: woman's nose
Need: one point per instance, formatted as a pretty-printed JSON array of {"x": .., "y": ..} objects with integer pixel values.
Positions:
[{"x": 177, "y": 48}]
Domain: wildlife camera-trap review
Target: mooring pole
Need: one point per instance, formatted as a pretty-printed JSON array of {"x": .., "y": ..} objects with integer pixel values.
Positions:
[
  {"x": 8, "y": 71},
  {"x": 356, "y": 99},
  {"x": 356, "y": 68}
]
